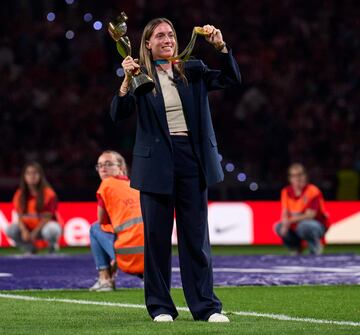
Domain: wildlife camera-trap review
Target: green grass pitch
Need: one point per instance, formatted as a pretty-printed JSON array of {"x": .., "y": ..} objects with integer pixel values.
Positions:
[
  {"x": 59, "y": 316},
  {"x": 308, "y": 310}
]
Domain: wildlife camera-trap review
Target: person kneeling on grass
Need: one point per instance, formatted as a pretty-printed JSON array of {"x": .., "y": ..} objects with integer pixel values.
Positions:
[
  {"x": 303, "y": 213},
  {"x": 35, "y": 203},
  {"x": 117, "y": 238}
]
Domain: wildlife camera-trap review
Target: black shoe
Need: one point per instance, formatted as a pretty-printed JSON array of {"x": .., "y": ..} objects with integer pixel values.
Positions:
[{"x": 53, "y": 248}]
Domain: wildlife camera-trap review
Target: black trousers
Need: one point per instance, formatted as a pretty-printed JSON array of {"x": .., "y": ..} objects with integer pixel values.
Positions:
[{"x": 189, "y": 199}]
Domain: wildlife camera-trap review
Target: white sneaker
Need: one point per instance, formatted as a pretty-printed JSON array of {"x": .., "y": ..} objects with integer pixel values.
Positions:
[
  {"x": 95, "y": 286},
  {"x": 102, "y": 286},
  {"x": 217, "y": 317},
  {"x": 163, "y": 318}
]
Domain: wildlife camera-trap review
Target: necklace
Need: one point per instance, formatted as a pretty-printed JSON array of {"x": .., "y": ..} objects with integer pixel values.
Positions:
[{"x": 163, "y": 71}]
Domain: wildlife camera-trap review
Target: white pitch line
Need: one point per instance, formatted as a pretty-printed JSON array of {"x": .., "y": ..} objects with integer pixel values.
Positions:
[
  {"x": 280, "y": 317},
  {"x": 283, "y": 317},
  {"x": 4, "y": 274}
]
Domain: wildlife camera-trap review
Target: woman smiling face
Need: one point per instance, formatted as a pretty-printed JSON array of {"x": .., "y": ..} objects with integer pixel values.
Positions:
[{"x": 162, "y": 42}]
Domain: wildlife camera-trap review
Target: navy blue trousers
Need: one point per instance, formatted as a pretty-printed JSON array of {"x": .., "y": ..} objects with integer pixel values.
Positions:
[{"x": 189, "y": 199}]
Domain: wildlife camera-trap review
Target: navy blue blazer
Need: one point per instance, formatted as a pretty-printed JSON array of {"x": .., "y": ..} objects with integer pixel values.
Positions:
[{"x": 152, "y": 166}]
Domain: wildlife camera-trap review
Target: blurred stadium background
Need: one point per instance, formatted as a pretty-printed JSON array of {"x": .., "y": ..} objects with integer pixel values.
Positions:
[{"x": 299, "y": 100}]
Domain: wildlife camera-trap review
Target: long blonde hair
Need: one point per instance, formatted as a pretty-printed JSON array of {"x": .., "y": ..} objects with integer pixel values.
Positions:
[{"x": 146, "y": 59}]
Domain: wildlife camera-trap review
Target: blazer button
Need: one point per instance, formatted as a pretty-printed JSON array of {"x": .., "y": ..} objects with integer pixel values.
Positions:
[{"x": 157, "y": 140}]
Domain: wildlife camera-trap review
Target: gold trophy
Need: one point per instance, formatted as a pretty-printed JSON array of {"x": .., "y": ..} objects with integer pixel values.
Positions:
[{"x": 140, "y": 82}]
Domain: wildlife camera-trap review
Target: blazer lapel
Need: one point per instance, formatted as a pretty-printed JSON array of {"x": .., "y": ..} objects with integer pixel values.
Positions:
[
  {"x": 187, "y": 100},
  {"x": 158, "y": 106}
]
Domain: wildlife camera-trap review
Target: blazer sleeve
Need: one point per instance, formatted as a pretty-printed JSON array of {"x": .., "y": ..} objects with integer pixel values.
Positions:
[
  {"x": 122, "y": 107},
  {"x": 227, "y": 76}
]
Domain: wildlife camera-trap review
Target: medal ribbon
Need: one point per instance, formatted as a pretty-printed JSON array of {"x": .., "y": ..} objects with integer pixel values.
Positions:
[{"x": 185, "y": 55}]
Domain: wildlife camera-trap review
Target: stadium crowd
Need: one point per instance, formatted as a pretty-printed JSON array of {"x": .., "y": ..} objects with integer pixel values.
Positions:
[{"x": 298, "y": 102}]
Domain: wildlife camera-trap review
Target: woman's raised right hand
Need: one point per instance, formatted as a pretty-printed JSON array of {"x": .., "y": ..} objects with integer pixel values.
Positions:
[{"x": 130, "y": 66}]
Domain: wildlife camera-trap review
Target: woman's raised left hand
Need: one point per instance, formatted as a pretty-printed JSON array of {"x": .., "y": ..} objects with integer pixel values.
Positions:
[{"x": 213, "y": 36}]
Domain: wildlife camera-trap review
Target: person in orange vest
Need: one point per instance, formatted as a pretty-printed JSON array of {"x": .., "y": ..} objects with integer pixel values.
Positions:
[
  {"x": 117, "y": 238},
  {"x": 303, "y": 217},
  {"x": 35, "y": 203}
]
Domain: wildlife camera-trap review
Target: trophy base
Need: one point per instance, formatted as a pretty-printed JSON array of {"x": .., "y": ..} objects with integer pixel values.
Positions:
[{"x": 141, "y": 84}]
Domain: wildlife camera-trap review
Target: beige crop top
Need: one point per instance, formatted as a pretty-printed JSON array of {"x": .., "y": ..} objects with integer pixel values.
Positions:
[{"x": 174, "y": 111}]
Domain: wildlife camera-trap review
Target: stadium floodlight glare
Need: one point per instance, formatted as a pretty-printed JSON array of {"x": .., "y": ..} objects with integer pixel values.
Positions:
[
  {"x": 254, "y": 186},
  {"x": 241, "y": 177},
  {"x": 69, "y": 34},
  {"x": 88, "y": 17},
  {"x": 97, "y": 25},
  {"x": 229, "y": 167},
  {"x": 120, "y": 72},
  {"x": 51, "y": 16},
  {"x": 69, "y": 2}
]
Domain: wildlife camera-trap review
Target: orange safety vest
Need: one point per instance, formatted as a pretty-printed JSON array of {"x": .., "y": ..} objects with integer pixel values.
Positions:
[
  {"x": 31, "y": 218},
  {"x": 122, "y": 205},
  {"x": 310, "y": 197}
]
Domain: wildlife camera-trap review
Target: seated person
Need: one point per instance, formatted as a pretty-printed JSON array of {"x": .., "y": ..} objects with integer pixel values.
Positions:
[
  {"x": 117, "y": 238},
  {"x": 35, "y": 203},
  {"x": 303, "y": 214}
]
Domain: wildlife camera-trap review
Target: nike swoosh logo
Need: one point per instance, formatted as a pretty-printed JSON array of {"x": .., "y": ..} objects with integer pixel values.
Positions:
[{"x": 221, "y": 230}]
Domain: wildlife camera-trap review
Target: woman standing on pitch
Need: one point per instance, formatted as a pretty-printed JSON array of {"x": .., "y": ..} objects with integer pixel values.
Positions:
[{"x": 175, "y": 159}]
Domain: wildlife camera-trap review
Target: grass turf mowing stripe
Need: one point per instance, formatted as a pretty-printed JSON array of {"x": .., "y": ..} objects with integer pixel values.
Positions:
[{"x": 280, "y": 317}]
